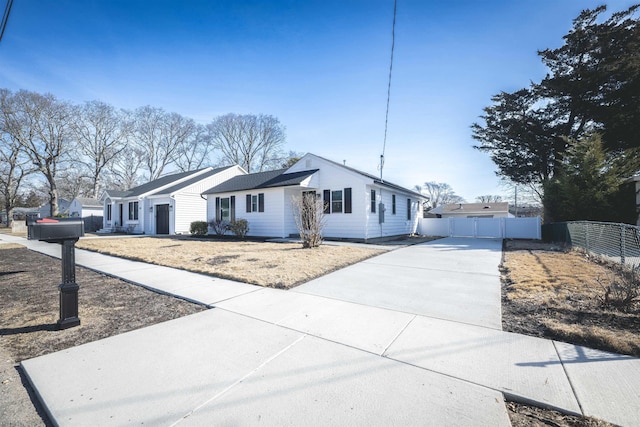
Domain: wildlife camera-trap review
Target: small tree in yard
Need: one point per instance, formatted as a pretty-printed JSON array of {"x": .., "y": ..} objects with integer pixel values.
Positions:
[{"x": 308, "y": 213}]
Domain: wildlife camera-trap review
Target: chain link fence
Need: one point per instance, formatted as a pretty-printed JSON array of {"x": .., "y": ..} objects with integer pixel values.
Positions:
[{"x": 615, "y": 242}]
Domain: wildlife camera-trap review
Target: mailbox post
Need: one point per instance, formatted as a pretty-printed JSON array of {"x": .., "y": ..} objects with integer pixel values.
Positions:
[{"x": 66, "y": 232}]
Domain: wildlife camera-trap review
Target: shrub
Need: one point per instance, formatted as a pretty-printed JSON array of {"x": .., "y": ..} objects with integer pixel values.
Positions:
[
  {"x": 219, "y": 226},
  {"x": 621, "y": 291},
  {"x": 239, "y": 227},
  {"x": 199, "y": 228}
]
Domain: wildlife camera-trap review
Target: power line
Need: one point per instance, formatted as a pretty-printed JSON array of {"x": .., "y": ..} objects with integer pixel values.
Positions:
[
  {"x": 386, "y": 117},
  {"x": 5, "y": 17}
]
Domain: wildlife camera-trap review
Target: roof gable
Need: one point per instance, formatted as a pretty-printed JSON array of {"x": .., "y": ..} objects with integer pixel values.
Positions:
[
  {"x": 374, "y": 179},
  {"x": 162, "y": 183},
  {"x": 191, "y": 181}
]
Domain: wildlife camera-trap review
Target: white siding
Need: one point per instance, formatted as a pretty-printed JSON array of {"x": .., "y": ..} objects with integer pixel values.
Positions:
[
  {"x": 344, "y": 225},
  {"x": 394, "y": 224},
  {"x": 187, "y": 208},
  {"x": 269, "y": 223}
]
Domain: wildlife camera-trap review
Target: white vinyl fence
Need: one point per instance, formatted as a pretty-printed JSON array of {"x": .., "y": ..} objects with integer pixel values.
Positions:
[{"x": 505, "y": 228}]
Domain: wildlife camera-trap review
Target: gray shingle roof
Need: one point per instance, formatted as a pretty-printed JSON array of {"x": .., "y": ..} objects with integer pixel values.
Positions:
[
  {"x": 89, "y": 202},
  {"x": 156, "y": 184},
  {"x": 193, "y": 180},
  {"x": 269, "y": 179}
]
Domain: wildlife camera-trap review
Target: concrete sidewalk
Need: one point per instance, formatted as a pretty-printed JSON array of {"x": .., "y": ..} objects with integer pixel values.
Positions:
[{"x": 318, "y": 356}]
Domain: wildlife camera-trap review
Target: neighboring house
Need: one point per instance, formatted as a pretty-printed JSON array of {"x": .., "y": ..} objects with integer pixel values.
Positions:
[
  {"x": 471, "y": 210},
  {"x": 166, "y": 205},
  {"x": 63, "y": 208},
  {"x": 85, "y": 207},
  {"x": 357, "y": 205}
]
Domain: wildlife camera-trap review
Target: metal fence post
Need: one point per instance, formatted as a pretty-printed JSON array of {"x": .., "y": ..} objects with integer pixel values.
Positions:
[{"x": 622, "y": 244}]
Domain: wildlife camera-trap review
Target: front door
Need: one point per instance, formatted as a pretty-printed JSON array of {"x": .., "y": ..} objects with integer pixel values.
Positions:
[{"x": 162, "y": 219}]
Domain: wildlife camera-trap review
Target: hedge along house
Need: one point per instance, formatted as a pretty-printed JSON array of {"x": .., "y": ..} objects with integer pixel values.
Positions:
[
  {"x": 358, "y": 206},
  {"x": 166, "y": 205}
]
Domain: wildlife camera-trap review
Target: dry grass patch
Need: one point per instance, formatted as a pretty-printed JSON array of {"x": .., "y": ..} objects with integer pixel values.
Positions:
[
  {"x": 278, "y": 265},
  {"x": 555, "y": 294}
]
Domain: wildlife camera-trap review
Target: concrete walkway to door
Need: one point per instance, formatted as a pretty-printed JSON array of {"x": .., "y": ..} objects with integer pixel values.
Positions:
[{"x": 452, "y": 279}]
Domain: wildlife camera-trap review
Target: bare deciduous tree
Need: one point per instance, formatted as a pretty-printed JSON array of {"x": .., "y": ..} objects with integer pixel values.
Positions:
[
  {"x": 74, "y": 182},
  {"x": 195, "y": 151},
  {"x": 14, "y": 164},
  {"x": 253, "y": 142},
  {"x": 41, "y": 125},
  {"x": 308, "y": 213},
  {"x": 160, "y": 135},
  {"x": 124, "y": 173},
  {"x": 101, "y": 132},
  {"x": 489, "y": 198},
  {"x": 439, "y": 193}
]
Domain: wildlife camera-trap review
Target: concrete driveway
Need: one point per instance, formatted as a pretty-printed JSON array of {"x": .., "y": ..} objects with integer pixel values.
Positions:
[{"x": 452, "y": 279}]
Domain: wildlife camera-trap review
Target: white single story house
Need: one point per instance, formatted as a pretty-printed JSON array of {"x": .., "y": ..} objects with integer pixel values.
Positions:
[
  {"x": 358, "y": 205},
  {"x": 471, "y": 210},
  {"x": 82, "y": 207},
  {"x": 166, "y": 205}
]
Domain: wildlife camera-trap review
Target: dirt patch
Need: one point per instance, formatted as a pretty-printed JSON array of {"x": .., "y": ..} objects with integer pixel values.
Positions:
[
  {"x": 530, "y": 416},
  {"x": 552, "y": 293},
  {"x": 276, "y": 265},
  {"x": 29, "y": 309}
]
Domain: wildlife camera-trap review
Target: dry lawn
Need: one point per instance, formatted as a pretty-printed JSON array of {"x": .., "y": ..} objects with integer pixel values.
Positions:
[
  {"x": 555, "y": 294},
  {"x": 277, "y": 265}
]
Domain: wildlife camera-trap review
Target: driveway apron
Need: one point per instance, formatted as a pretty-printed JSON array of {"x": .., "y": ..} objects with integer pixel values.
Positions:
[{"x": 453, "y": 279}]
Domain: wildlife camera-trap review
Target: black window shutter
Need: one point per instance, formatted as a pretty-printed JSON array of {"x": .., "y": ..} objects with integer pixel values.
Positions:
[
  {"x": 217, "y": 208},
  {"x": 373, "y": 201},
  {"x": 248, "y": 202},
  {"x": 326, "y": 198},
  {"x": 347, "y": 200},
  {"x": 260, "y": 202},
  {"x": 232, "y": 203}
]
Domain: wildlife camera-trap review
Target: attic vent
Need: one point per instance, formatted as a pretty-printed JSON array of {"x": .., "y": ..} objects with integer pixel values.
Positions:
[
  {"x": 487, "y": 207},
  {"x": 308, "y": 163}
]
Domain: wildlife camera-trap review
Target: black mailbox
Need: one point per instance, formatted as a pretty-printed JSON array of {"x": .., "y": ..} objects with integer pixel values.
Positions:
[
  {"x": 55, "y": 229},
  {"x": 65, "y": 231}
]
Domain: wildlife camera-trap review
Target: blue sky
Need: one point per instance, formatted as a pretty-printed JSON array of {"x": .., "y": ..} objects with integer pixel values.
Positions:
[{"x": 320, "y": 66}]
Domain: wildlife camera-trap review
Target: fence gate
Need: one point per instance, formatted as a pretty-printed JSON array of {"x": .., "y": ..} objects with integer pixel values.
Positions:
[{"x": 500, "y": 228}]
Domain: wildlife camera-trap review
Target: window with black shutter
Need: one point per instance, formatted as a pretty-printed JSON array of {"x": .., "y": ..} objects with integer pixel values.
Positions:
[
  {"x": 373, "y": 201},
  {"x": 233, "y": 208},
  {"x": 393, "y": 204},
  {"x": 326, "y": 198},
  {"x": 260, "y": 202},
  {"x": 347, "y": 200}
]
